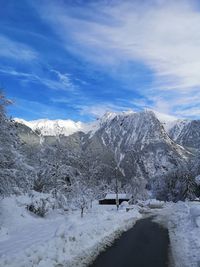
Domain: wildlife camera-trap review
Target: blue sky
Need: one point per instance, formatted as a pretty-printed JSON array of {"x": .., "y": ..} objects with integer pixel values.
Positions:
[{"x": 78, "y": 59}]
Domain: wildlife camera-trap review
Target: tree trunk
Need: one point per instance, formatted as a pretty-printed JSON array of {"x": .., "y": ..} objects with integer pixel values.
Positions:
[
  {"x": 116, "y": 189},
  {"x": 82, "y": 212}
]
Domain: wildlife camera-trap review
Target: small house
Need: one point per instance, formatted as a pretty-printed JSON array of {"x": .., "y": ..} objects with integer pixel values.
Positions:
[{"x": 110, "y": 199}]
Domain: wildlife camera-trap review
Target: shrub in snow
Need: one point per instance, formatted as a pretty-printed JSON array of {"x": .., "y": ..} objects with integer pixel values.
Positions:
[
  {"x": 38, "y": 207},
  {"x": 41, "y": 204},
  {"x": 39, "y": 183},
  {"x": 155, "y": 204},
  {"x": 124, "y": 204}
]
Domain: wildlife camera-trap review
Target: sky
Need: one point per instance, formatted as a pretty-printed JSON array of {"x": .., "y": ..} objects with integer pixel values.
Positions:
[{"x": 77, "y": 59}]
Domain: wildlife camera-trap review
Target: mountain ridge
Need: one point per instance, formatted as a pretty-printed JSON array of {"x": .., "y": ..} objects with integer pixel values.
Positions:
[{"x": 68, "y": 126}]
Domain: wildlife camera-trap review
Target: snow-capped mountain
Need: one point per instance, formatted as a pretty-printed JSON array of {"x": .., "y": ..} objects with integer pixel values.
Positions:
[
  {"x": 56, "y": 127},
  {"x": 67, "y": 127},
  {"x": 130, "y": 127},
  {"x": 135, "y": 142},
  {"x": 140, "y": 144}
]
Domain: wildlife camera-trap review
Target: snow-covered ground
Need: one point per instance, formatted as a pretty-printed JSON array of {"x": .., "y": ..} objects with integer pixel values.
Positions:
[
  {"x": 66, "y": 239},
  {"x": 60, "y": 239},
  {"x": 183, "y": 222}
]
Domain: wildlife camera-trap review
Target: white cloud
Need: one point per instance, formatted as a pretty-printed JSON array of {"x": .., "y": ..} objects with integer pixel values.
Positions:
[
  {"x": 190, "y": 112},
  {"x": 164, "y": 35},
  {"x": 16, "y": 50}
]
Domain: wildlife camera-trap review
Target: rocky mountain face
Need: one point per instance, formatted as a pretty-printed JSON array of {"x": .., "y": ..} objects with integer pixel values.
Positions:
[
  {"x": 140, "y": 140},
  {"x": 186, "y": 133},
  {"x": 133, "y": 146}
]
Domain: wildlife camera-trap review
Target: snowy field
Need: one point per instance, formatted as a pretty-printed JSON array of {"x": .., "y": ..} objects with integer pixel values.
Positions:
[
  {"x": 60, "y": 239},
  {"x": 183, "y": 222}
]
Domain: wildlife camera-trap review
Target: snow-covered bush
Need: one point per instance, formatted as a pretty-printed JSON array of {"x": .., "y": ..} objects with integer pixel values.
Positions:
[
  {"x": 155, "y": 204},
  {"x": 124, "y": 204},
  {"x": 41, "y": 204},
  {"x": 38, "y": 207}
]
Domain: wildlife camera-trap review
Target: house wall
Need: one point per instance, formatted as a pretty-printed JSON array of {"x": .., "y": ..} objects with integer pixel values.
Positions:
[{"x": 111, "y": 201}]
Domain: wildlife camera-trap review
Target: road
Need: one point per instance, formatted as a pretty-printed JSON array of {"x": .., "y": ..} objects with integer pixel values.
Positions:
[{"x": 145, "y": 245}]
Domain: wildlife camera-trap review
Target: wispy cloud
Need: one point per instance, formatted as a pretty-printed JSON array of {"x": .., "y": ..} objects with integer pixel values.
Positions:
[
  {"x": 163, "y": 35},
  {"x": 65, "y": 79},
  {"x": 99, "y": 110},
  {"x": 16, "y": 50},
  {"x": 93, "y": 109},
  {"x": 189, "y": 112},
  {"x": 60, "y": 81}
]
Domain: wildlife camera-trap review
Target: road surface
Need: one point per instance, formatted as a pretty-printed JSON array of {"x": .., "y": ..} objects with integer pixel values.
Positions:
[{"x": 145, "y": 245}]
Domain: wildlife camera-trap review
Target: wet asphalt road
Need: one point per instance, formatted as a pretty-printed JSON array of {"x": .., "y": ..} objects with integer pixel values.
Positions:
[{"x": 145, "y": 245}]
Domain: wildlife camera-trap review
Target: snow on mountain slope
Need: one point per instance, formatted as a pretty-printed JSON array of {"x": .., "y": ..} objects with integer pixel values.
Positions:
[
  {"x": 164, "y": 118},
  {"x": 186, "y": 133},
  {"x": 177, "y": 127},
  {"x": 139, "y": 128},
  {"x": 105, "y": 119},
  {"x": 67, "y": 127},
  {"x": 139, "y": 145},
  {"x": 167, "y": 121},
  {"x": 56, "y": 127}
]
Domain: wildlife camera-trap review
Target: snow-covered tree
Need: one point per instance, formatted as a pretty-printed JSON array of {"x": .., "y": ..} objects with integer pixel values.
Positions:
[
  {"x": 137, "y": 188},
  {"x": 177, "y": 185},
  {"x": 15, "y": 174},
  {"x": 80, "y": 196}
]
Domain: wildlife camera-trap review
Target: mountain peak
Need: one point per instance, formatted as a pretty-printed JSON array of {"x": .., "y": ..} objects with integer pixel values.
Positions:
[{"x": 55, "y": 127}]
